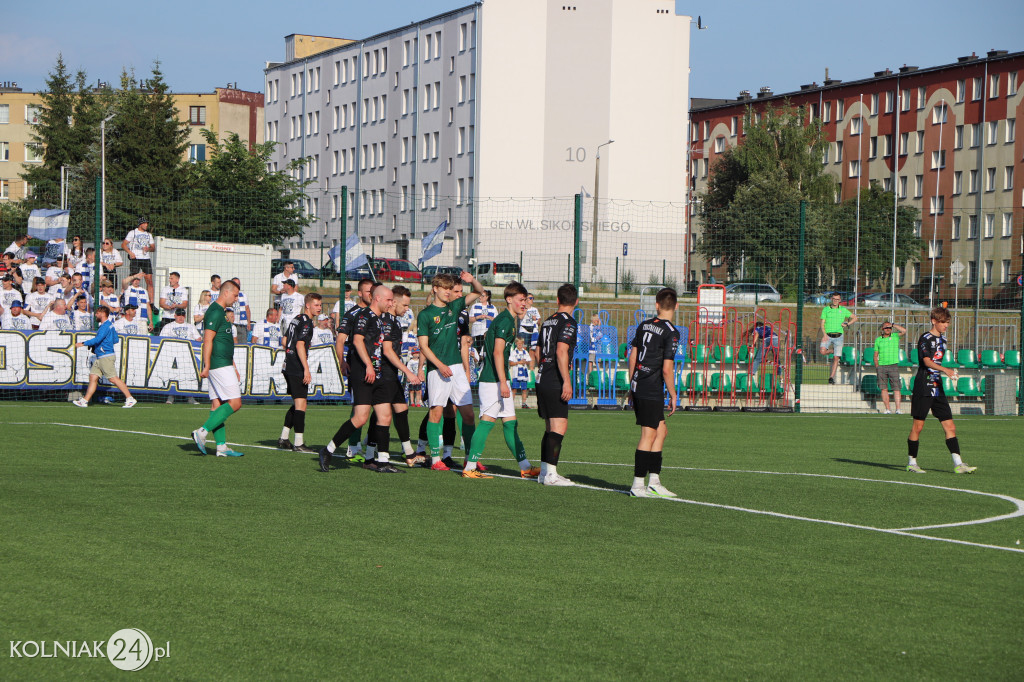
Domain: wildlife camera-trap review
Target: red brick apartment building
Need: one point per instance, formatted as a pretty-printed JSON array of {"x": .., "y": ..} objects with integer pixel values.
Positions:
[{"x": 887, "y": 129}]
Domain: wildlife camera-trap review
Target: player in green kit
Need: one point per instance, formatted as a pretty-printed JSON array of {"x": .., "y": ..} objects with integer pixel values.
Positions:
[
  {"x": 438, "y": 337},
  {"x": 496, "y": 400},
  {"x": 219, "y": 369}
]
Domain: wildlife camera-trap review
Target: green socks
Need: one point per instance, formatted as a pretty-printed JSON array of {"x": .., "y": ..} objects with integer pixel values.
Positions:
[
  {"x": 218, "y": 417},
  {"x": 468, "y": 431},
  {"x": 476, "y": 447},
  {"x": 515, "y": 445},
  {"x": 220, "y": 435},
  {"x": 434, "y": 439}
]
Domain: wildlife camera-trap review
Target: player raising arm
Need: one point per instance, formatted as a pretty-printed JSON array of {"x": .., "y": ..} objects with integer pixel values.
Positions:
[{"x": 651, "y": 362}]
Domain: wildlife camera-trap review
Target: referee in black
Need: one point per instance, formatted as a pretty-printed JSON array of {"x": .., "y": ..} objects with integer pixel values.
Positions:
[
  {"x": 557, "y": 345},
  {"x": 298, "y": 336},
  {"x": 651, "y": 371}
]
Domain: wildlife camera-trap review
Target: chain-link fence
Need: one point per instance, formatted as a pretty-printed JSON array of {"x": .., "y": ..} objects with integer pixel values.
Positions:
[{"x": 754, "y": 283}]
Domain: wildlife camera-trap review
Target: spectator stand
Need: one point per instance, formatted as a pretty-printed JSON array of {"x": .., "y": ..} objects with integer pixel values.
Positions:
[
  {"x": 602, "y": 379},
  {"x": 709, "y": 326},
  {"x": 578, "y": 370}
]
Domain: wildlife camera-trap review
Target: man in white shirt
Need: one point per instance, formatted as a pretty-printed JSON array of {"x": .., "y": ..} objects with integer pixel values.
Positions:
[
  {"x": 16, "y": 319},
  {"x": 139, "y": 244},
  {"x": 81, "y": 318},
  {"x": 8, "y": 294},
  {"x": 75, "y": 289},
  {"x": 323, "y": 334},
  {"x": 172, "y": 297},
  {"x": 291, "y": 303},
  {"x": 56, "y": 317},
  {"x": 17, "y": 249},
  {"x": 38, "y": 302},
  {"x": 528, "y": 330},
  {"x": 109, "y": 298},
  {"x": 180, "y": 328},
  {"x": 277, "y": 285},
  {"x": 243, "y": 313},
  {"x": 138, "y": 296},
  {"x": 29, "y": 272},
  {"x": 268, "y": 332},
  {"x": 53, "y": 272},
  {"x": 55, "y": 250},
  {"x": 129, "y": 323},
  {"x": 481, "y": 315}
]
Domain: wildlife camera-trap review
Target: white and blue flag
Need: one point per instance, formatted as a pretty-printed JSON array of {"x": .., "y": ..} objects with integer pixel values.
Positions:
[
  {"x": 433, "y": 242},
  {"x": 48, "y": 223},
  {"x": 354, "y": 254}
]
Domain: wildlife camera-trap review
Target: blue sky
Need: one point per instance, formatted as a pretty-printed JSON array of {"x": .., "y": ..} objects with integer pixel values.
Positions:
[{"x": 747, "y": 45}]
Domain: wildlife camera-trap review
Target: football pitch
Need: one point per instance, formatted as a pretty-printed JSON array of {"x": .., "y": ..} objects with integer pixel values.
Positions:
[{"x": 799, "y": 549}]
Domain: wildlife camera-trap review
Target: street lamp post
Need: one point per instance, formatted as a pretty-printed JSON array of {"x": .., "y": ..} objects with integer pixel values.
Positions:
[
  {"x": 597, "y": 192},
  {"x": 103, "y": 173}
]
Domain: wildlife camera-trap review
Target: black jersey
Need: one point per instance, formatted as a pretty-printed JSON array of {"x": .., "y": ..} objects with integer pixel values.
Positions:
[
  {"x": 656, "y": 341},
  {"x": 559, "y": 328},
  {"x": 299, "y": 329},
  {"x": 347, "y": 326},
  {"x": 370, "y": 327},
  {"x": 391, "y": 330},
  {"x": 934, "y": 347},
  {"x": 463, "y": 323}
]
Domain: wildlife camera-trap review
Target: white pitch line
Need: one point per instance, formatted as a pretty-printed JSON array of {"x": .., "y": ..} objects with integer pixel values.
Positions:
[{"x": 760, "y": 512}]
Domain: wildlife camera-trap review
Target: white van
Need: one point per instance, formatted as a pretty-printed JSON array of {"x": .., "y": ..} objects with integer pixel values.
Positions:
[{"x": 491, "y": 274}]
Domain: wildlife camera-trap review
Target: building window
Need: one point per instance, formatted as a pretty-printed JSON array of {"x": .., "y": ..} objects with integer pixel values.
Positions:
[
  {"x": 972, "y": 181},
  {"x": 1011, "y": 84},
  {"x": 936, "y": 205},
  {"x": 990, "y": 225},
  {"x": 993, "y": 86},
  {"x": 992, "y": 128},
  {"x": 5, "y": 187},
  {"x": 839, "y": 152},
  {"x": 958, "y": 182},
  {"x": 707, "y": 129},
  {"x": 719, "y": 145},
  {"x": 961, "y": 89},
  {"x": 1005, "y": 272},
  {"x": 972, "y": 272},
  {"x": 405, "y": 53},
  {"x": 975, "y": 134},
  {"x": 463, "y": 33},
  {"x": 33, "y": 152},
  {"x": 956, "y": 228},
  {"x": 460, "y": 188},
  {"x": 1011, "y": 129},
  {"x": 904, "y": 143},
  {"x": 916, "y": 273},
  {"x": 827, "y": 111},
  {"x": 899, "y": 276},
  {"x": 1008, "y": 178},
  {"x": 462, "y": 141},
  {"x": 939, "y": 159},
  {"x": 435, "y": 142},
  {"x": 939, "y": 113},
  {"x": 872, "y": 147},
  {"x": 988, "y": 272},
  {"x": 918, "y": 186},
  {"x": 197, "y": 116},
  {"x": 5, "y": 151},
  {"x": 990, "y": 179},
  {"x": 958, "y": 137},
  {"x": 975, "y": 89},
  {"x": 921, "y": 98},
  {"x": 824, "y": 154},
  {"x": 905, "y": 100},
  {"x": 887, "y": 145},
  {"x": 32, "y": 113},
  {"x": 855, "y": 125},
  {"x": 1007, "y": 225},
  {"x": 734, "y": 125},
  {"x": 888, "y": 102},
  {"x": 840, "y": 109},
  {"x": 196, "y": 152},
  {"x": 903, "y": 187},
  {"x": 887, "y": 184},
  {"x": 855, "y": 169},
  {"x": 919, "y": 146},
  {"x": 934, "y": 250},
  {"x": 462, "y": 89},
  {"x": 5, "y": 113}
]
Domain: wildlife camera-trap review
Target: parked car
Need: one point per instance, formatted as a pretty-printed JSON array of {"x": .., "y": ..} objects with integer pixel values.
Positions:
[
  {"x": 885, "y": 301},
  {"x": 825, "y": 297},
  {"x": 355, "y": 274},
  {"x": 750, "y": 292},
  {"x": 491, "y": 273},
  {"x": 430, "y": 270},
  {"x": 302, "y": 268},
  {"x": 395, "y": 270}
]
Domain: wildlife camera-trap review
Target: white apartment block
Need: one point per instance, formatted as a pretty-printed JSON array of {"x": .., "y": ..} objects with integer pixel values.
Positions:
[{"x": 451, "y": 117}]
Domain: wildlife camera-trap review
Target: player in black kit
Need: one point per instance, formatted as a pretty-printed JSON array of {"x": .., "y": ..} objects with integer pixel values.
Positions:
[
  {"x": 651, "y": 363},
  {"x": 343, "y": 348},
  {"x": 298, "y": 336},
  {"x": 557, "y": 344},
  {"x": 368, "y": 394}
]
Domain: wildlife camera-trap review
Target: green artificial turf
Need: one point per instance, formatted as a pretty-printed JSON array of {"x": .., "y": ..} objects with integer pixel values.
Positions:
[{"x": 264, "y": 568}]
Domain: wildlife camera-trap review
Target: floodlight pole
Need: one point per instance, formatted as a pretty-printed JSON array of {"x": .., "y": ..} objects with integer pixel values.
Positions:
[{"x": 597, "y": 191}]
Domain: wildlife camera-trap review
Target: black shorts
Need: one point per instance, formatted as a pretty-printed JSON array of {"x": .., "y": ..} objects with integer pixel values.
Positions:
[
  {"x": 649, "y": 413},
  {"x": 380, "y": 392},
  {"x": 397, "y": 389},
  {"x": 143, "y": 265},
  {"x": 296, "y": 389},
  {"x": 922, "y": 402},
  {"x": 549, "y": 401}
]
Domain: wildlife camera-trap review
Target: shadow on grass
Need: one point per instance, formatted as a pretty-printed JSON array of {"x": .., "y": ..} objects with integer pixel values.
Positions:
[{"x": 880, "y": 465}]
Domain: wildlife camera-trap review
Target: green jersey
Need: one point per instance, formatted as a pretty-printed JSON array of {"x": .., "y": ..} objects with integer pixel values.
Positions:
[
  {"x": 888, "y": 349},
  {"x": 504, "y": 328},
  {"x": 440, "y": 324},
  {"x": 223, "y": 351},
  {"x": 834, "y": 318}
]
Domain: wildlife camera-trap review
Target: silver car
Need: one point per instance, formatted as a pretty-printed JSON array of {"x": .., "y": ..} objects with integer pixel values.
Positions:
[
  {"x": 885, "y": 301},
  {"x": 750, "y": 292}
]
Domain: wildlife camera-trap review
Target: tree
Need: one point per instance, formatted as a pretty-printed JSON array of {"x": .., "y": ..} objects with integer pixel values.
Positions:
[
  {"x": 240, "y": 199},
  {"x": 750, "y": 212}
]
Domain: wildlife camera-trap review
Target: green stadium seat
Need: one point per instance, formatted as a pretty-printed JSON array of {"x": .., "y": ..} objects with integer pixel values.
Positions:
[
  {"x": 915, "y": 357},
  {"x": 966, "y": 357},
  {"x": 949, "y": 361},
  {"x": 968, "y": 388},
  {"x": 743, "y": 354},
  {"x": 723, "y": 354},
  {"x": 721, "y": 381},
  {"x": 848, "y": 357},
  {"x": 700, "y": 354},
  {"x": 867, "y": 357},
  {"x": 770, "y": 385},
  {"x": 948, "y": 388},
  {"x": 596, "y": 379},
  {"x": 622, "y": 380},
  {"x": 869, "y": 385},
  {"x": 990, "y": 358},
  {"x": 623, "y": 351},
  {"x": 1012, "y": 358},
  {"x": 905, "y": 361},
  {"x": 906, "y": 387},
  {"x": 746, "y": 383},
  {"x": 695, "y": 382}
]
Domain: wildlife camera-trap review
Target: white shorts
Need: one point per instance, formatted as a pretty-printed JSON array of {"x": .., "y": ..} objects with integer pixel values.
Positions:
[
  {"x": 224, "y": 384},
  {"x": 455, "y": 388},
  {"x": 493, "y": 405}
]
